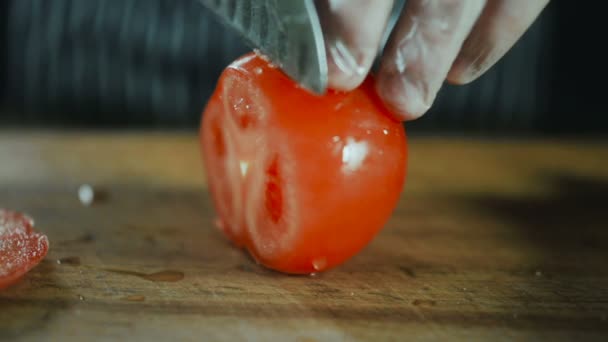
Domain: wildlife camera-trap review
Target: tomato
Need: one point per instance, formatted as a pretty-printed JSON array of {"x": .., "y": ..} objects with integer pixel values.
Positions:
[
  {"x": 21, "y": 248},
  {"x": 303, "y": 182}
]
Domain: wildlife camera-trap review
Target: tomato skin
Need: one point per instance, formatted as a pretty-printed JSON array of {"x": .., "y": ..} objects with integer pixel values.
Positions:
[
  {"x": 21, "y": 248},
  {"x": 322, "y": 174}
]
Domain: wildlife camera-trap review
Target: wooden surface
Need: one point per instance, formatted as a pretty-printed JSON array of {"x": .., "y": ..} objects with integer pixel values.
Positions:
[{"x": 492, "y": 240}]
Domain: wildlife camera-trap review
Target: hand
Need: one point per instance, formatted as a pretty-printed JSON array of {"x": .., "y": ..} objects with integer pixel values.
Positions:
[{"x": 432, "y": 41}]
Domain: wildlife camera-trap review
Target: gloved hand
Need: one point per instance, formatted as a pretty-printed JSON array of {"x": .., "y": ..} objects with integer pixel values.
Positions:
[{"x": 432, "y": 41}]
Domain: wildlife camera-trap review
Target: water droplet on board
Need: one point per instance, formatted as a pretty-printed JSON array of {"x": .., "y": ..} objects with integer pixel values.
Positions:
[
  {"x": 70, "y": 260},
  {"x": 165, "y": 276},
  {"x": 134, "y": 298},
  {"x": 423, "y": 302},
  {"x": 86, "y": 194},
  {"x": 81, "y": 297},
  {"x": 162, "y": 276}
]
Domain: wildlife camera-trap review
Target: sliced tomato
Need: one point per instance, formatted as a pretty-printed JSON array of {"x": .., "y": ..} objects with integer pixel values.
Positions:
[
  {"x": 303, "y": 182},
  {"x": 21, "y": 248}
]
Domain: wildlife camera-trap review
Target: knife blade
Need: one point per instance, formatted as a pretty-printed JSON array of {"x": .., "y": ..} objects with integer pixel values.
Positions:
[{"x": 287, "y": 32}]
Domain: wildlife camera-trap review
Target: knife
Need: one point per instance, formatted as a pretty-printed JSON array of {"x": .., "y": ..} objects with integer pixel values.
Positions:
[{"x": 288, "y": 32}]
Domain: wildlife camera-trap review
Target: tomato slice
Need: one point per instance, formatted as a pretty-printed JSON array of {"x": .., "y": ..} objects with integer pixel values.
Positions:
[
  {"x": 303, "y": 182},
  {"x": 21, "y": 248}
]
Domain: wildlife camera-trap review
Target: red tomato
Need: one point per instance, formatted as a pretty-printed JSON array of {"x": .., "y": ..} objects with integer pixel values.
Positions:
[
  {"x": 303, "y": 182},
  {"x": 21, "y": 248}
]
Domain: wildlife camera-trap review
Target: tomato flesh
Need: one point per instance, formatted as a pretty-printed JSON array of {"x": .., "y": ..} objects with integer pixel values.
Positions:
[
  {"x": 21, "y": 248},
  {"x": 303, "y": 182}
]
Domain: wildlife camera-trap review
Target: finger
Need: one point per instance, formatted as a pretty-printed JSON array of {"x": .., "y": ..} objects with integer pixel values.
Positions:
[
  {"x": 418, "y": 57},
  {"x": 500, "y": 25},
  {"x": 353, "y": 32}
]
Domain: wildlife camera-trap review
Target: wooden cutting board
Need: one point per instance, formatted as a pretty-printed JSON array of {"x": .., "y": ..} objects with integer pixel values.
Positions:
[{"x": 493, "y": 239}]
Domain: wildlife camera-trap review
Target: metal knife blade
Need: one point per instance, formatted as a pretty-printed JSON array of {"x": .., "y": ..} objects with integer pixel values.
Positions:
[{"x": 288, "y": 32}]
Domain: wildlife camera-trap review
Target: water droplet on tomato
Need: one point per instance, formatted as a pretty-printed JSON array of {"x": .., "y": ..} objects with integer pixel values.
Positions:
[
  {"x": 243, "y": 165},
  {"x": 219, "y": 223},
  {"x": 258, "y": 70},
  {"x": 237, "y": 103},
  {"x": 319, "y": 264},
  {"x": 335, "y": 138},
  {"x": 244, "y": 113},
  {"x": 264, "y": 57},
  {"x": 385, "y": 131},
  {"x": 353, "y": 154},
  {"x": 29, "y": 220}
]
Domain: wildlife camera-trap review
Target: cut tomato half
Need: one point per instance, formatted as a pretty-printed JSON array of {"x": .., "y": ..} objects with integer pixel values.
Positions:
[
  {"x": 303, "y": 182},
  {"x": 21, "y": 248}
]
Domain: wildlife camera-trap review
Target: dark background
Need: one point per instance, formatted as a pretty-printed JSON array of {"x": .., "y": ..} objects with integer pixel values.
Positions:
[{"x": 153, "y": 64}]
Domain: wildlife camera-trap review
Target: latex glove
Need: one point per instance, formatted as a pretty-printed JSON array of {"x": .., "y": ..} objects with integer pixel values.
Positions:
[{"x": 432, "y": 41}]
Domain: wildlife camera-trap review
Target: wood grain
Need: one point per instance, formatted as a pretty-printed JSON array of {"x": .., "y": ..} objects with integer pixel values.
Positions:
[{"x": 492, "y": 240}]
